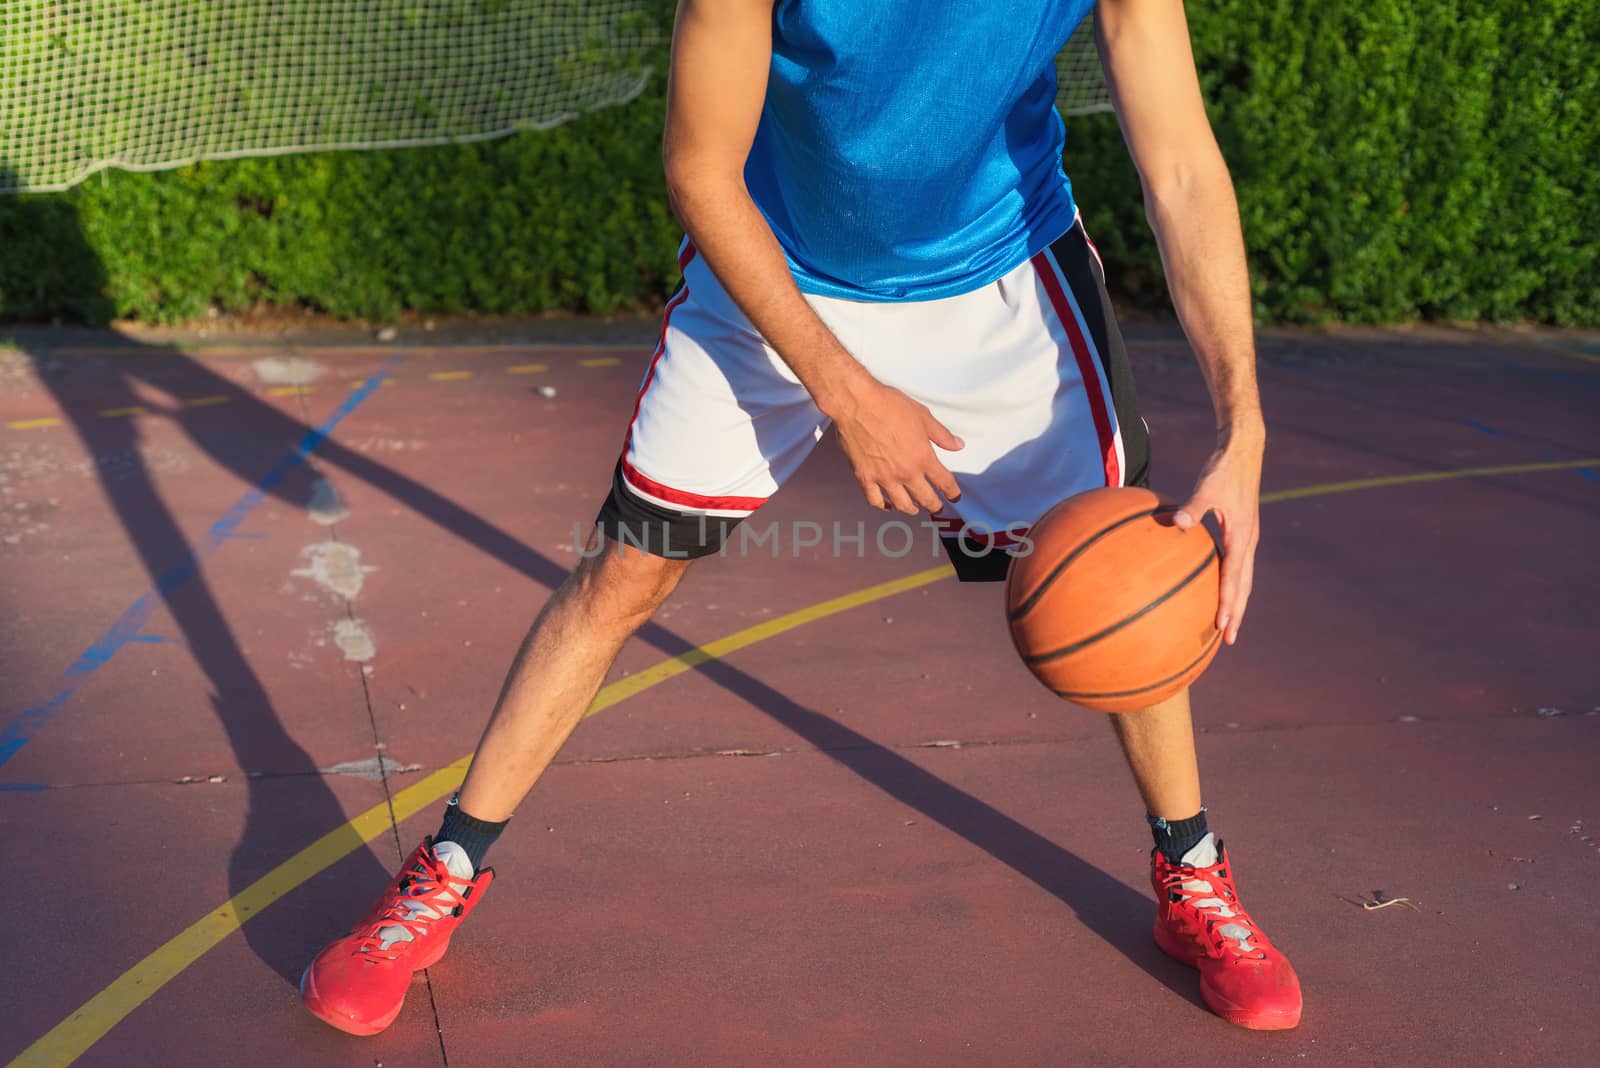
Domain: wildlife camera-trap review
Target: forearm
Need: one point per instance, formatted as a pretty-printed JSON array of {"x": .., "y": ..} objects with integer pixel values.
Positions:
[
  {"x": 716, "y": 93},
  {"x": 729, "y": 231},
  {"x": 721, "y": 51},
  {"x": 1196, "y": 222},
  {"x": 1188, "y": 197}
]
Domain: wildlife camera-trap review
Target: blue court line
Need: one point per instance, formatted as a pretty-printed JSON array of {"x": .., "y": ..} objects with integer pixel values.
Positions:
[
  {"x": 1569, "y": 377},
  {"x": 21, "y": 730},
  {"x": 1484, "y": 428}
]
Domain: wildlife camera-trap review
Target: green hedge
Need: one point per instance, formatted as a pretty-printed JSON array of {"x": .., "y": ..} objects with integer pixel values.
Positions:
[
  {"x": 1395, "y": 160},
  {"x": 571, "y": 218}
]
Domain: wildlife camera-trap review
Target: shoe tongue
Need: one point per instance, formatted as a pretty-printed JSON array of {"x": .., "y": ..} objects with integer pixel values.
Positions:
[
  {"x": 1203, "y": 854},
  {"x": 456, "y": 862}
]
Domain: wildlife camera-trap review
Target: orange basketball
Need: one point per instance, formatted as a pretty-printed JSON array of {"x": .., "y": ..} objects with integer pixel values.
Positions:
[{"x": 1115, "y": 608}]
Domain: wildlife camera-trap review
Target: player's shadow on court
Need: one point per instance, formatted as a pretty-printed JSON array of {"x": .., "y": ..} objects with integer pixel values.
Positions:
[
  {"x": 84, "y": 385},
  {"x": 247, "y": 443}
]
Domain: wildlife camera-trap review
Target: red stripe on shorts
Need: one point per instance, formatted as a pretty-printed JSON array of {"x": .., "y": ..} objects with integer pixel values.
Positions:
[
  {"x": 684, "y": 258},
  {"x": 632, "y": 473},
  {"x": 686, "y": 499},
  {"x": 655, "y": 358},
  {"x": 1088, "y": 365},
  {"x": 1088, "y": 241}
]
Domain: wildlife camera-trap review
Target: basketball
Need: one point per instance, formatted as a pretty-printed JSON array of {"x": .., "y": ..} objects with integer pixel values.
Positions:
[{"x": 1115, "y": 608}]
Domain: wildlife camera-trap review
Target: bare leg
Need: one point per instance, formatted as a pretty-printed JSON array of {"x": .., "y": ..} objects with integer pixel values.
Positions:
[
  {"x": 559, "y": 669},
  {"x": 1159, "y": 744}
]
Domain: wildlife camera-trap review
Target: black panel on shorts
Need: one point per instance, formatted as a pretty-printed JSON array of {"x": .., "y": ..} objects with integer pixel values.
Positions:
[
  {"x": 628, "y": 519},
  {"x": 976, "y": 562},
  {"x": 1087, "y": 279}
]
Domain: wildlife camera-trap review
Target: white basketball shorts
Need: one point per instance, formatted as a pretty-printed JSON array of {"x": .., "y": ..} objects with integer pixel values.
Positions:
[{"x": 1029, "y": 372}]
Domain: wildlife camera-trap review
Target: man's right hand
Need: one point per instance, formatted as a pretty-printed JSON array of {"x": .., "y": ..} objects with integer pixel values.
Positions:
[
  {"x": 888, "y": 439},
  {"x": 721, "y": 53}
]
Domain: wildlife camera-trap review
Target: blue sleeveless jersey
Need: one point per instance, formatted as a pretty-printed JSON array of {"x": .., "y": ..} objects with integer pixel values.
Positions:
[{"x": 911, "y": 149}]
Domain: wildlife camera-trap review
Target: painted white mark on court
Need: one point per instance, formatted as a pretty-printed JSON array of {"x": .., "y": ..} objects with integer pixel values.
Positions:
[
  {"x": 23, "y": 462},
  {"x": 352, "y": 636},
  {"x": 334, "y": 566},
  {"x": 287, "y": 371},
  {"x": 375, "y": 444},
  {"x": 20, "y": 371},
  {"x": 373, "y": 769},
  {"x": 326, "y": 506}
]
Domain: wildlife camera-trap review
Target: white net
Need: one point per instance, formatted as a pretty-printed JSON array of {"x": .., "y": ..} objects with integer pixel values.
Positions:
[
  {"x": 150, "y": 84},
  {"x": 1081, "y": 83}
]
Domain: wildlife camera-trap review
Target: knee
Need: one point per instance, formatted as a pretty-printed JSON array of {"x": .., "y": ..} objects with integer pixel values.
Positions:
[{"x": 621, "y": 588}]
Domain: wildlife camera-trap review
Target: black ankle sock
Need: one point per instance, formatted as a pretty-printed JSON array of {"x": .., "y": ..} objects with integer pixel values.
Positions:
[
  {"x": 1176, "y": 837},
  {"x": 470, "y": 833}
]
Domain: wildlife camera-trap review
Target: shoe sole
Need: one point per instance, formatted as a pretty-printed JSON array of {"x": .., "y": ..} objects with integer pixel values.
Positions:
[
  {"x": 1250, "y": 1021},
  {"x": 349, "y": 1025}
]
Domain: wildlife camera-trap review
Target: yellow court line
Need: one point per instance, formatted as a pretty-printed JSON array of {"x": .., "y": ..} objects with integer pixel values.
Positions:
[
  {"x": 599, "y": 361},
  {"x": 449, "y": 376},
  {"x": 1576, "y": 355},
  {"x": 206, "y": 402},
  {"x": 70, "y": 1038},
  {"x": 288, "y": 391},
  {"x": 527, "y": 369},
  {"x": 1425, "y": 476},
  {"x": 33, "y": 424},
  {"x": 112, "y": 413},
  {"x": 622, "y": 689},
  {"x": 360, "y": 352},
  {"x": 1572, "y": 353}
]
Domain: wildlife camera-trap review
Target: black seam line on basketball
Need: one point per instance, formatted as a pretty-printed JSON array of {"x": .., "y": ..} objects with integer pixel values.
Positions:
[
  {"x": 1215, "y": 638},
  {"x": 1033, "y": 598},
  {"x": 1065, "y": 650}
]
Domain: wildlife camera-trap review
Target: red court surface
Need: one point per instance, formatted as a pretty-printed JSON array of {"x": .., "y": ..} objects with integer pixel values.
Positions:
[{"x": 245, "y": 614}]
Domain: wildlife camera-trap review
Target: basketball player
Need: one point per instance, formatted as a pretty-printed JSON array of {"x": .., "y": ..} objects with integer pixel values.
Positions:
[{"x": 881, "y": 239}]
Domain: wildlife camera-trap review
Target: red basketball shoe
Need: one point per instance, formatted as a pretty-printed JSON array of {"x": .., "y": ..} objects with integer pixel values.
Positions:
[
  {"x": 1243, "y": 977},
  {"x": 358, "y": 983}
]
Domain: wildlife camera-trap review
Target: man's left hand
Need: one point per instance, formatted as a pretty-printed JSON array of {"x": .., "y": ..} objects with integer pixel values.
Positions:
[{"x": 1230, "y": 487}]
